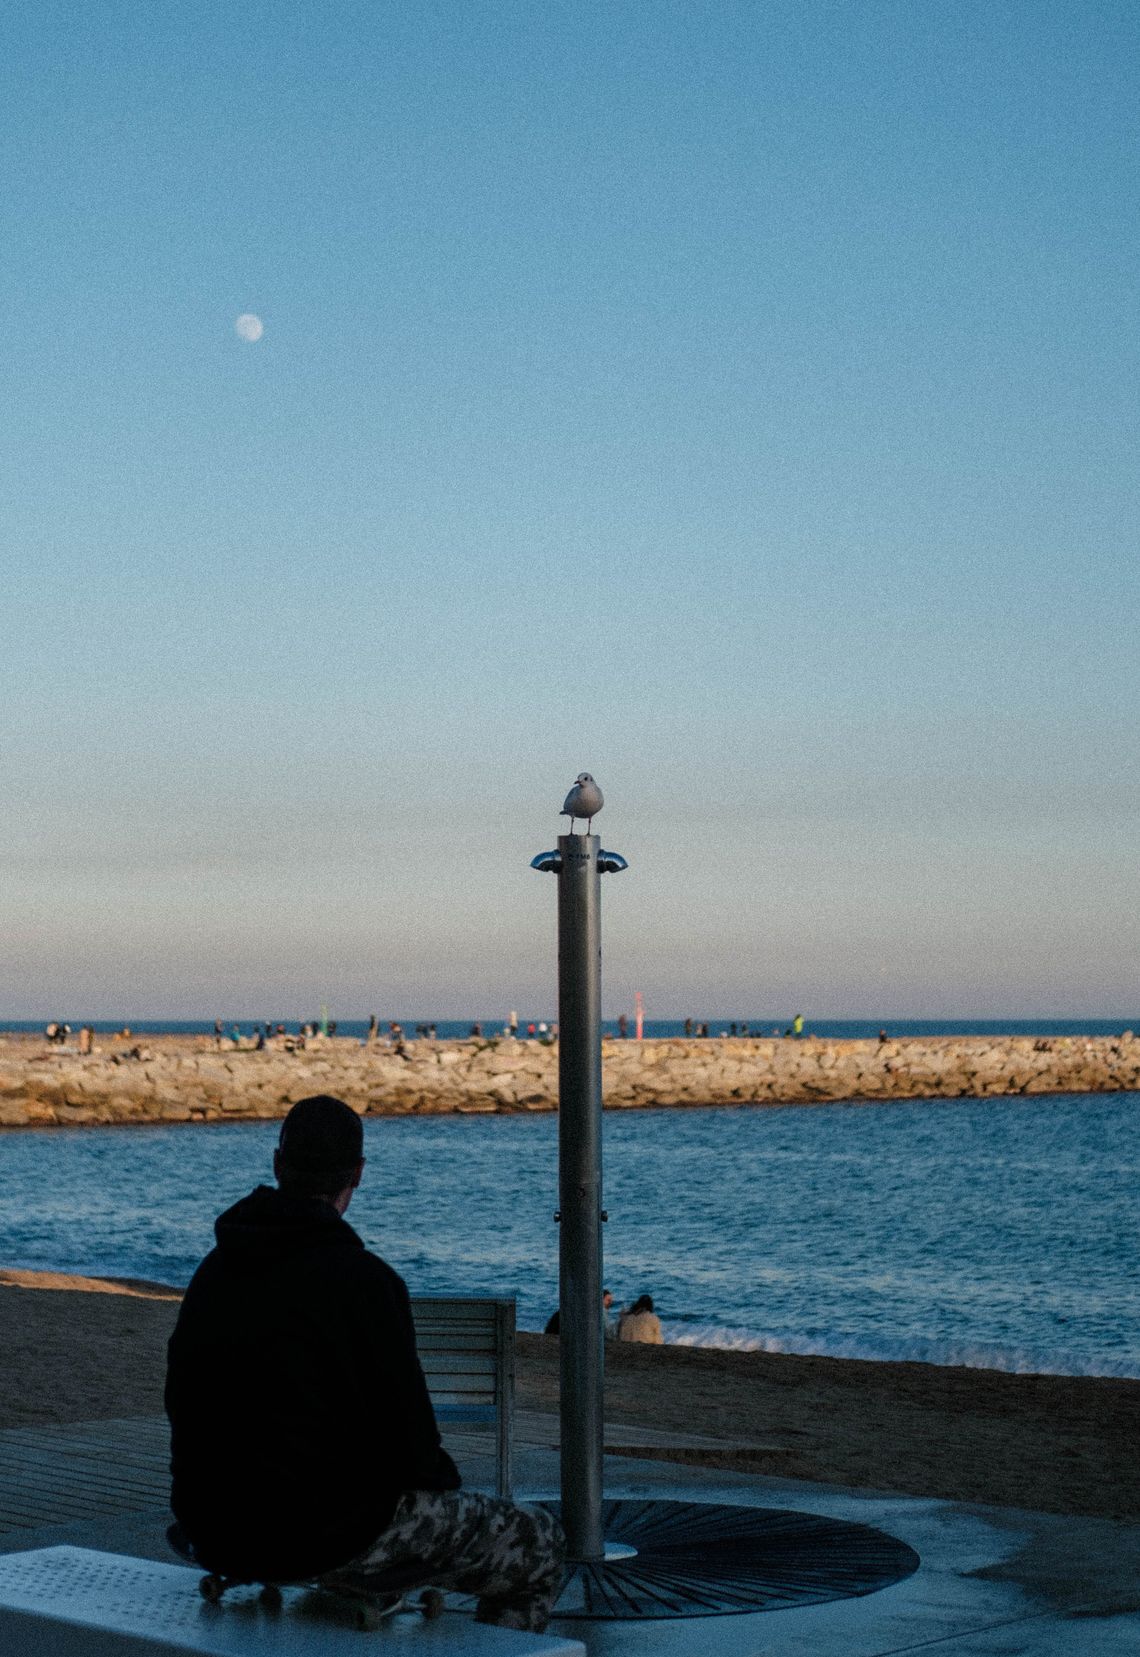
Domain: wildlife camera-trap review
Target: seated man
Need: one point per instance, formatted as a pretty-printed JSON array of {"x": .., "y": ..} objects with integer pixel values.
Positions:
[{"x": 303, "y": 1440}]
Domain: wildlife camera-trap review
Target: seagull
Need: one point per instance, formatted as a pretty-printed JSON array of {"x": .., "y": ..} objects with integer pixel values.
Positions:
[{"x": 584, "y": 800}]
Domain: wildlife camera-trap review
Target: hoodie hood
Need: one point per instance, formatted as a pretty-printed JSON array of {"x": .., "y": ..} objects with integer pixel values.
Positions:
[{"x": 270, "y": 1223}]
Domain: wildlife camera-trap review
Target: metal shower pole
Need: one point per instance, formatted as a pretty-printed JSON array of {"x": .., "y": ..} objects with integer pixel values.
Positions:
[
  {"x": 578, "y": 863},
  {"x": 667, "y": 1558},
  {"x": 580, "y": 1192},
  {"x": 662, "y": 1558}
]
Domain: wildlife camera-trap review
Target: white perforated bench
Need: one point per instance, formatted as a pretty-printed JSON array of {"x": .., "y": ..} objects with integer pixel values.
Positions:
[
  {"x": 467, "y": 1349},
  {"x": 73, "y": 1602}
]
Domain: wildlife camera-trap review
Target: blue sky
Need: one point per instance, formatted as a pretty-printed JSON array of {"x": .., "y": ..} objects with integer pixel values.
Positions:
[{"x": 738, "y": 401}]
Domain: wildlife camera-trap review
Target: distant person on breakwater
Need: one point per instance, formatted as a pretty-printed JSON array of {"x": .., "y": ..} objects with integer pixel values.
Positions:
[
  {"x": 303, "y": 1440},
  {"x": 641, "y": 1323},
  {"x": 798, "y": 1026}
]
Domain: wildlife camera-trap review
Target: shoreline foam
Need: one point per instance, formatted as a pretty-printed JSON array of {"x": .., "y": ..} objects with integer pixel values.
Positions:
[{"x": 861, "y": 1349}]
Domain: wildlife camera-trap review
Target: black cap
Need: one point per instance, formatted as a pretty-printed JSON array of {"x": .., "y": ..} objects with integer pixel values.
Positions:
[{"x": 321, "y": 1135}]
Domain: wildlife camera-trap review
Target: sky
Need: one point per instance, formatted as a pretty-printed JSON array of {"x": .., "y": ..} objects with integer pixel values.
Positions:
[{"x": 738, "y": 401}]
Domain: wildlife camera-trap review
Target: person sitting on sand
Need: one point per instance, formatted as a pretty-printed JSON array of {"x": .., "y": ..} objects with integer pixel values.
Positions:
[
  {"x": 641, "y": 1323},
  {"x": 609, "y": 1325},
  {"x": 303, "y": 1440}
]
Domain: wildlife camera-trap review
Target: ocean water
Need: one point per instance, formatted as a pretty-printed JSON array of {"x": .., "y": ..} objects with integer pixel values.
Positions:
[{"x": 1000, "y": 1233}]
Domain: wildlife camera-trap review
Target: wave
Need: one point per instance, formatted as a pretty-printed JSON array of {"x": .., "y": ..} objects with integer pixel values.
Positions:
[{"x": 915, "y": 1350}]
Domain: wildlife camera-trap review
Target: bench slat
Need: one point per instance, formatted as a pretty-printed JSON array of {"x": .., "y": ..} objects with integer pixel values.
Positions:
[
  {"x": 464, "y": 1363},
  {"x": 455, "y": 1320},
  {"x": 457, "y": 1340},
  {"x": 465, "y": 1385},
  {"x": 473, "y": 1309}
]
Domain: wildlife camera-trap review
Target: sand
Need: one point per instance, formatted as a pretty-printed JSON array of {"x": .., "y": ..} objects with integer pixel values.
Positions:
[
  {"x": 80, "y": 1348},
  {"x": 84, "y": 1349},
  {"x": 1055, "y": 1444}
]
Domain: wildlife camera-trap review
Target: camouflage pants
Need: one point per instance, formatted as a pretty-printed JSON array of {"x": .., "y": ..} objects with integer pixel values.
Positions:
[{"x": 510, "y": 1556}]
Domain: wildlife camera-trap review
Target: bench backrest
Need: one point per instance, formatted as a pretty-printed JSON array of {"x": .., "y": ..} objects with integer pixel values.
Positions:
[{"x": 467, "y": 1349}]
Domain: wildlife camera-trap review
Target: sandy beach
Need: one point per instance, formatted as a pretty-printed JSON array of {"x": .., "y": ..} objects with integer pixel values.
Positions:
[{"x": 82, "y": 1349}]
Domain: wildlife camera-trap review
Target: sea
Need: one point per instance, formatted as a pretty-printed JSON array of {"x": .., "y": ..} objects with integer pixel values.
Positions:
[{"x": 1001, "y": 1233}]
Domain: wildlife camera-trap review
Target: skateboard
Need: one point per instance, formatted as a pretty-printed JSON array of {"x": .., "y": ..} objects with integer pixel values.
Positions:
[{"x": 368, "y": 1607}]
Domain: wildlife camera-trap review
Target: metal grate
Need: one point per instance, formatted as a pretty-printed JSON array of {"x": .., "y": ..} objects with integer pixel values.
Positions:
[{"x": 703, "y": 1559}]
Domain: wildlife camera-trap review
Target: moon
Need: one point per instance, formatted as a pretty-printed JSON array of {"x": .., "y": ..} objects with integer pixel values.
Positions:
[{"x": 249, "y": 327}]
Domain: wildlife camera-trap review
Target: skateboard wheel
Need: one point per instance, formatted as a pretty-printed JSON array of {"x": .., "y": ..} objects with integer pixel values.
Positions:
[
  {"x": 271, "y": 1597},
  {"x": 431, "y": 1603},
  {"x": 368, "y": 1618},
  {"x": 212, "y": 1588}
]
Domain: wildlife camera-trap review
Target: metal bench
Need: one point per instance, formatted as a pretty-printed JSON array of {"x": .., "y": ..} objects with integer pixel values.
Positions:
[
  {"x": 74, "y": 1602},
  {"x": 467, "y": 1349}
]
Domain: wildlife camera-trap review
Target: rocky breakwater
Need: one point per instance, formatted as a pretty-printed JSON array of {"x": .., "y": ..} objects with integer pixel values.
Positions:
[
  {"x": 164, "y": 1079},
  {"x": 172, "y": 1080},
  {"x": 812, "y": 1071}
]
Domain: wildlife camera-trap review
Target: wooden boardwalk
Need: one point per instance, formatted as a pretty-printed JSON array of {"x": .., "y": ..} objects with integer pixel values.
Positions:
[
  {"x": 92, "y": 1470},
  {"x": 105, "y": 1470}
]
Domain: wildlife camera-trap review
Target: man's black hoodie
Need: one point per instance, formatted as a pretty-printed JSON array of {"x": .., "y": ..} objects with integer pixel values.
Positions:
[{"x": 297, "y": 1405}]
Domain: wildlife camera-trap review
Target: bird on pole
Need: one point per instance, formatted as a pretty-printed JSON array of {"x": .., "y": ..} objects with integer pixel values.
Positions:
[{"x": 584, "y": 800}]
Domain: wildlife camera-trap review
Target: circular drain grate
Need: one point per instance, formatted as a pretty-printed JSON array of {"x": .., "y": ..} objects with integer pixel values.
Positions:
[{"x": 704, "y": 1559}]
